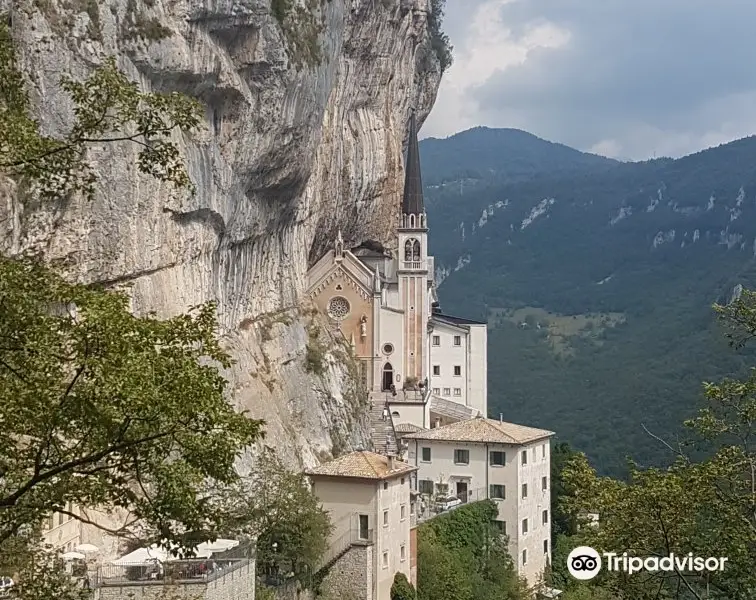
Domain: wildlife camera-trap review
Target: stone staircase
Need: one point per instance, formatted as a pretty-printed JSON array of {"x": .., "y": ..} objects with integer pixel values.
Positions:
[{"x": 382, "y": 432}]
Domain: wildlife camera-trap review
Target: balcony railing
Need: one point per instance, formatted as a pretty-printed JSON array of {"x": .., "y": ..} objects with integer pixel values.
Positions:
[
  {"x": 412, "y": 265},
  {"x": 407, "y": 396},
  {"x": 354, "y": 537},
  {"x": 169, "y": 572},
  {"x": 428, "y": 506}
]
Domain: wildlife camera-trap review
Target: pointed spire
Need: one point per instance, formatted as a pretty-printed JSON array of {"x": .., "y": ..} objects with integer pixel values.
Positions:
[
  {"x": 339, "y": 245},
  {"x": 412, "y": 202}
]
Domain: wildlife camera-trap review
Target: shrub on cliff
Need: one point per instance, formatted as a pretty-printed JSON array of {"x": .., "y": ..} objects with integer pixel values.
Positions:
[
  {"x": 108, "y": 108},
  {"x": 439, "y": 40}
]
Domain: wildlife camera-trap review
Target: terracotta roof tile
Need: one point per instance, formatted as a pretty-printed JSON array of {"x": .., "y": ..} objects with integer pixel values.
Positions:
[
  {"x": 482, "y": 430},
  {"x": 362, "y": 465}
]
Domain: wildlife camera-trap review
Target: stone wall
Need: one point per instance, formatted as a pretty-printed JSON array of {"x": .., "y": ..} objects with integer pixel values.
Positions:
[{"x": 350, "y": 577}]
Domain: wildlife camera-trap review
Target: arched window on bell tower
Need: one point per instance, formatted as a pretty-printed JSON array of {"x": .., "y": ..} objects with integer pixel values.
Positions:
[
  {"x": 408, "y": 250},
  {"x": 416, "y": 251}
]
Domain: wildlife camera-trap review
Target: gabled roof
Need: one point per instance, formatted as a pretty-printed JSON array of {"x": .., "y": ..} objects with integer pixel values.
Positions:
[
  {"x": 362, "y": 465},
  {"x": 482, "y": 430}
]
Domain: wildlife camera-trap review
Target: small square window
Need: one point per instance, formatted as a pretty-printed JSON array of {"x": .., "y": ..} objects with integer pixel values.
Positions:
[
  {"x": 545, "y": 546},
  {"x": 457, "y": 391},
  {"x": 524, "y": 557},
  {"x": 496, "y": 492},
  {"x": 543, "y": 451},
  {"x": 524, "y": 490},
  {"x": 403, "y": 512},
  {"x": 437, "y": 369},
  {"x": 501, "y": 526},
  {"x": 402, "y": 552},
  {"x": 437, "y": 391},
  {"x": 524, "y": 526},
  {"x": 545, "y": 517},
  {"x": 385, "y": 485},
  {"x": 461, "y": 457},
  {"x": 447, "y": 392},
  {"x": 524, "y": 457},
  {"x": 436, "y": 340},
  {"x": 402, "y": 480},
  {"x": 457, "y": 370},
  {"x": 497, "y": 458},
  {"x": 385, "y": 518},
  {"x": 457, "y": 340},
  {"x": 426, "y": 454},
  {"x": 425, "y": 487},
  {"x": 544, "y": 483},
  {"x": 385, "y": 560}
]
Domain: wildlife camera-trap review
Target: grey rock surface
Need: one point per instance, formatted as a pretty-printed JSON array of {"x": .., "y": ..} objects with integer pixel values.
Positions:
[{"x": 289, "y": 152}]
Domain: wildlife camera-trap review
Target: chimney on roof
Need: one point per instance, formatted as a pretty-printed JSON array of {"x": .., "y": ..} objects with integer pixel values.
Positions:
[
  {"x": 391, "y": 462},
  {"x": 501, "y": 417}
]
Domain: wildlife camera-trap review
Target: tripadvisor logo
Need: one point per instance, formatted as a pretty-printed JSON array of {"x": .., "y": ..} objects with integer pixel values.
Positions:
[{"x": 585, "y": 563}]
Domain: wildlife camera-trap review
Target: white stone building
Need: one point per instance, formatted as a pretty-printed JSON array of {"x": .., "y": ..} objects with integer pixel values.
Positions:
[
  {"x": 481, "y": 459},
  {"x": 368, "y": 498},
  {"x": 385, "y": 304}
]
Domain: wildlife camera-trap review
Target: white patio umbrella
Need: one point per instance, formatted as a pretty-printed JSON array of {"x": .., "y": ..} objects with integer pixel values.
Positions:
[
  {"x": 87, "y": 548},
  {"x": 73, "y": 556},
  {"x": 142, "y": 556}
]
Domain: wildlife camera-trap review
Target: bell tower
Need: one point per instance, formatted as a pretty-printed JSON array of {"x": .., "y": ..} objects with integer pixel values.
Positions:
[{"x": 413, "y": 263}]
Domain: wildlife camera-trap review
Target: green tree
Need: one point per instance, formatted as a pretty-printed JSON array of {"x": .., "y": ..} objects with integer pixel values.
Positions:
[
  {"x": 441, "y": 573},
  {"x": 103, "y": 408},
  {"x": 463, "y": 555},
  {"x": 439, "y": 40},
  {"x": 278, "y": 508},
  {"x": 707, "y": 507},
  {"x": 108, "y": 108},
  {"x": 402, "y": 589}
]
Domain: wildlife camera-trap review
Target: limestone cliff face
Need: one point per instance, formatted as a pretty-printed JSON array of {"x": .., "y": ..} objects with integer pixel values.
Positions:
[{"x": 303, "y": 135}]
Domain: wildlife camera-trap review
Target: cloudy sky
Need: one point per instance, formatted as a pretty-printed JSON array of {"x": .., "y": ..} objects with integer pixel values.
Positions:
[{"x": 629, "y": 79}]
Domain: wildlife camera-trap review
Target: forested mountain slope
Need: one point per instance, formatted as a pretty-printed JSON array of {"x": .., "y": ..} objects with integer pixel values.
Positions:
[{"x": 598, "y": 283}]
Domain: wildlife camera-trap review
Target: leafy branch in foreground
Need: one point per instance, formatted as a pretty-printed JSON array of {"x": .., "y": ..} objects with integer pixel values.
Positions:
[
  {"x": 108, "y": 108},
  {"x": 102, "y": 408}
]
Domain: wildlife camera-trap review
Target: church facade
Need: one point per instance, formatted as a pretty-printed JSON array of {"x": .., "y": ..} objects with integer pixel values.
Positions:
[{"x": 430, "y": 367}]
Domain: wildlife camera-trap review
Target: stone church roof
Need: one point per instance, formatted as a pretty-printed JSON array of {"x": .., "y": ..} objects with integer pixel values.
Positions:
[
  {"x": 412, "y": 200},
  {"x": 363, "y": 465}
]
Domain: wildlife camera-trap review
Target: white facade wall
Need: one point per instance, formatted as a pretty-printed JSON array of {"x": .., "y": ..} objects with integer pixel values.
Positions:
[
  {"x": 393, "y": 535},
  {"x": 415, "y": 413},
  {"x": 391, "y": 329},
  {"x": 346, "y": 498},
  {"x": 531, "y": 508},
  {"x": 477, "y": 368},
  {"x": 479, "y": 475},
  {"x": 446, "y": 356}
]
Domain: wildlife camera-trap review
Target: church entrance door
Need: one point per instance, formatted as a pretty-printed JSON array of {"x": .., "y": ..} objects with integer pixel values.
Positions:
[{"x": 388, "y": 377}]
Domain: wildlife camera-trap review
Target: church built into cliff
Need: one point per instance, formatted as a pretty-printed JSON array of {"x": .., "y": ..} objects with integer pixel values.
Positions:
[{"x": 430, "y": 368}]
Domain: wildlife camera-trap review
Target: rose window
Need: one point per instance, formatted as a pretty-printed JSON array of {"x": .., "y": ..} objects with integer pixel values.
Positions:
[{"x": 338, "y": 307}]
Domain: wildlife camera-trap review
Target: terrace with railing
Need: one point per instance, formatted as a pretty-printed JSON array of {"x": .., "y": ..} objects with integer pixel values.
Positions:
[{"x": 428, "y": 506}]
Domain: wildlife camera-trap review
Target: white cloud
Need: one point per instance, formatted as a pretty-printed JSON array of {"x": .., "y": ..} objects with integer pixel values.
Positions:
[
  {"x": 620, "y": 78},
  {"x": 486, "y": 47}
]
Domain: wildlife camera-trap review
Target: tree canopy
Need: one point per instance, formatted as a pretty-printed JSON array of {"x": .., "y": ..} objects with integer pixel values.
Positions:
[
  {"x": 99, "y": 407},
  {"x": 706, "y": 507},
  {"x": 462, "y": 556}
]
